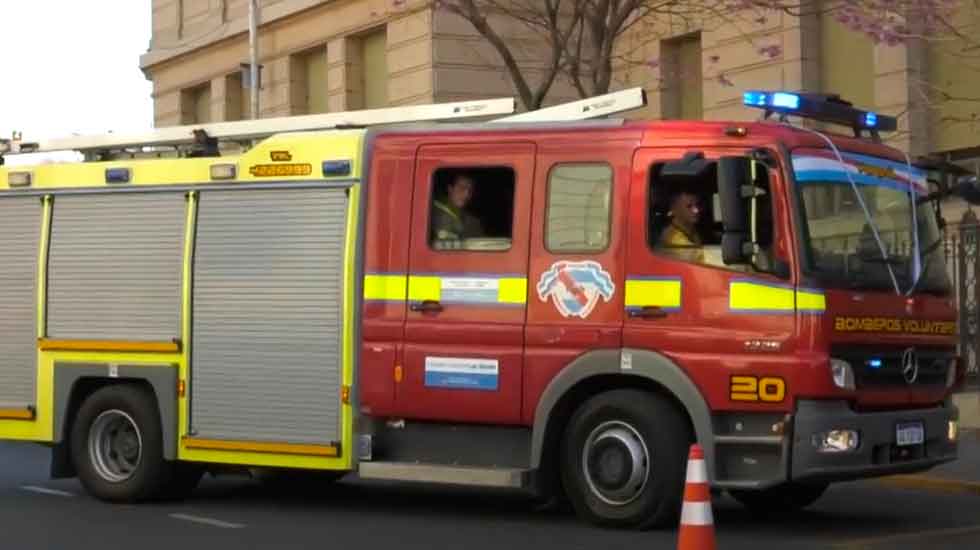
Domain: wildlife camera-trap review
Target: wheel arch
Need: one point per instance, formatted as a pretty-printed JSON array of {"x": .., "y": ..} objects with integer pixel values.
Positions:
[
  {"x": 75, "y": 382},
  {"x": 602, "y": 370}
]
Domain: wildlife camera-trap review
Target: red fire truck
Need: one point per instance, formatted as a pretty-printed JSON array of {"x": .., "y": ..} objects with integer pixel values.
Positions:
[{"x": 555, "y": 306}]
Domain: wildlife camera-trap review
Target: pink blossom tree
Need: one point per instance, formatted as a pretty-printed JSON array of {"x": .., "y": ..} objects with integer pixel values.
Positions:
[{"x": 581, "y": 41}]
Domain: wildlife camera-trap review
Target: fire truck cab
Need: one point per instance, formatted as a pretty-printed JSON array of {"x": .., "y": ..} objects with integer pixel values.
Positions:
[{"x": 556, "y": 306}]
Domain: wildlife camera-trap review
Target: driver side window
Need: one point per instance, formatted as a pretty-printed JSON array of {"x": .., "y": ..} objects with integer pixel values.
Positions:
[{"x": 685, "y": 219}]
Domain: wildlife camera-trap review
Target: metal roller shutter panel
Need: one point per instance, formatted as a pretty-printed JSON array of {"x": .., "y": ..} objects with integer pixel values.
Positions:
[
  {"x": 266, "y": 343},
  {"x": 20, "y": 235},
  {"x": 115, "y": 267}
]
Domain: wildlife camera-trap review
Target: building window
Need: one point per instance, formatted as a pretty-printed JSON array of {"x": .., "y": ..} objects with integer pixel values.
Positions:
[
  {"x": 682, "y": 96},
  {"x": 310, "y": 81},
  {"x": 196, "y": 104},
  {"x": 579, "y": 206},
  {"x": 472, "y": 209},
  {"x": 374, "y": 68},
  {"x": 237, "y": 105}
]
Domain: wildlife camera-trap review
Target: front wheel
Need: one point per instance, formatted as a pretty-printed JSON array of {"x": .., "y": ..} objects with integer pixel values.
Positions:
[
  {"x": 624, "y": 458},
  {"x": 782, "y": 499}
]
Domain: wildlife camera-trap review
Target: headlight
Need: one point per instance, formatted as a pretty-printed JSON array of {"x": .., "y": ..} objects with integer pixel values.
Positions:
[
  {"x": 836, "y": 441},
  {"x": 843, "y": 374}
]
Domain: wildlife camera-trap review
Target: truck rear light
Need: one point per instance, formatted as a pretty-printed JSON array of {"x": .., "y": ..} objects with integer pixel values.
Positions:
[
  {"x": 842, "y": 373},
  {"x": 836, "y": 441},
  {"x": 19, "y": 179},
  {"x": 223, "y": 171}
]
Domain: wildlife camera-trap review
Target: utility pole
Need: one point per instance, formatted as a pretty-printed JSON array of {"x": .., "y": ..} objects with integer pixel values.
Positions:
[{"x": 253, "y": 45}]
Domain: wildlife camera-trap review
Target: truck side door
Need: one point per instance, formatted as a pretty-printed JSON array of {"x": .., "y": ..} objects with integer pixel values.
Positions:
[
  {"x": 715, "y": 321},
  {"x": 577, "y": 258},
  {"x": 467, "y": 288}
]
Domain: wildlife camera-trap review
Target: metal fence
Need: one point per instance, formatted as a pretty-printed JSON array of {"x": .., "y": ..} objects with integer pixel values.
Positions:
[{"x": 962, "y": 251}]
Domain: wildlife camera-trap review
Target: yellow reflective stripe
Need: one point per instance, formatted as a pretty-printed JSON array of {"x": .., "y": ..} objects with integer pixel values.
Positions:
[
  {"x": 46, "y": 344},
  {"x": 421, "y": 288},
  {"x": 17, "y": 414},
  {"x": 653, "y": 292},
  {"x": 262, "y": 447},
  {"x": 446, "y": 209},
  {"x": 512, "y": 291},
  {"x": 758, "y": 297},
  {"x": 385, "y": 287},
  {"x": 746, "y": 296},
  {"x": 811, "y": 301}
]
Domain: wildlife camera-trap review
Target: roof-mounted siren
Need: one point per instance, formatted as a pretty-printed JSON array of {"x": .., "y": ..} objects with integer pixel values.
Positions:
[{"x": 821, "y": 107}]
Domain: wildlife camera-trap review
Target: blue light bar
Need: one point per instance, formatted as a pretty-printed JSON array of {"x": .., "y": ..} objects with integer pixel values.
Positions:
[
  {"x": 823, "y": 107},
  {"x": 874, "y": 363},
  {"x": 785, "y": 100},
  {"x": 755, "y": 99}
]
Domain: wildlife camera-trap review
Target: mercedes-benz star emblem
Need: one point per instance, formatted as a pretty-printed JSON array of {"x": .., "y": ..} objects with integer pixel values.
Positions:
[{"x": 910, "y": 366}]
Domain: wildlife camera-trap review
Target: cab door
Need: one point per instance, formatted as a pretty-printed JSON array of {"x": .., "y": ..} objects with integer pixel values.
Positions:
[
  {"x": 464, "y": 333},
  {"x": 715, "y": 321},
  {"x": 577, "y": 258}
]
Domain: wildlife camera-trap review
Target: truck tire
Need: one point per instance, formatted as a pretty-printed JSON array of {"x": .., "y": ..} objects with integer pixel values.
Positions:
[
  {"x": 117, "y": 445},
  {"x": 623, "y": 460},
  {"x": 782, "y": 499}
]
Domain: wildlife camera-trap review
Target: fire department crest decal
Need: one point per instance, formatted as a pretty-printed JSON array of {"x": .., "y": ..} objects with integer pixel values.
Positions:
[{"x": 575, "y": 287}]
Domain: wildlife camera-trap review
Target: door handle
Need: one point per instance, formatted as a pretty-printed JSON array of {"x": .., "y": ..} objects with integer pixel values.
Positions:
[
  {"x": 427, "y": 306},
  {"x": 648, "y": 312}
]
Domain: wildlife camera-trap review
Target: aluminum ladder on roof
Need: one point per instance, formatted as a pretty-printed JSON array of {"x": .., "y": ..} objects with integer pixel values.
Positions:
[{"x": 247, "y": 130}]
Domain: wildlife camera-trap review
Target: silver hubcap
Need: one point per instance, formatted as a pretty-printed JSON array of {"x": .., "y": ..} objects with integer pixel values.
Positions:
[
  {"x": 616, "y": 463},
  {"x": 115, "y": 446}
]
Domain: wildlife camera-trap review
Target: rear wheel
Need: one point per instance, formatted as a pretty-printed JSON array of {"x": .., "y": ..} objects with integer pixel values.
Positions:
[
  {"x": 117, "y": 445},
  {"x": 624, "y": 458},
  {"x": 782, "y": 499}
]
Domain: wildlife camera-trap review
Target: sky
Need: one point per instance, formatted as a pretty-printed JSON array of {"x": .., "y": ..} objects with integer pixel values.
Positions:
[{"x": 72, "y": 66}]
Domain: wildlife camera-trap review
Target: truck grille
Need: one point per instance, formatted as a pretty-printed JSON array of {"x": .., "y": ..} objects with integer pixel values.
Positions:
[{"x": 887, "y": 371}]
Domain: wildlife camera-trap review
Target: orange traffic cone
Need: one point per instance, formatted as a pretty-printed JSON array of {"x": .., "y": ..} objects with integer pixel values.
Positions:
[{"x": 697, "y": 524}]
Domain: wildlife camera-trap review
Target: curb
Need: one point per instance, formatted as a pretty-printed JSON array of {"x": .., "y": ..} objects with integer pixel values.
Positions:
[{"x": 930, "y": 483}]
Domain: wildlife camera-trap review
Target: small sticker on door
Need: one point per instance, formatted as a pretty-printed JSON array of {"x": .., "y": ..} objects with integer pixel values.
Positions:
[
  {"x": 469, "y": 289},
  {"x": 461, "y": 373},
  {"x": 575, "y": 287}
]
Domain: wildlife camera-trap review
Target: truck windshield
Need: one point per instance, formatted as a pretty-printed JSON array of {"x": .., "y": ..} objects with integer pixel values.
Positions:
[{"x": 840, "y": 239}]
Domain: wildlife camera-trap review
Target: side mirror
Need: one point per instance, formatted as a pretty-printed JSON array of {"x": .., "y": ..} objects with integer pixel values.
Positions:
[
  {"x": 735, "y": 191},
  {"x": 968, "y": 189}
]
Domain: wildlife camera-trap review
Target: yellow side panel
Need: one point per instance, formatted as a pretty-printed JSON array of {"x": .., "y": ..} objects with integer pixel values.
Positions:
[
  {"x": 307, "y": 149},
  {"x": 227, "y": 452}
]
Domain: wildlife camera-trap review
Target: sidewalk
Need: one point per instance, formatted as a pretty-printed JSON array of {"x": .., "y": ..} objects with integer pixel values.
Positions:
[{"x": 963, "y": 474}]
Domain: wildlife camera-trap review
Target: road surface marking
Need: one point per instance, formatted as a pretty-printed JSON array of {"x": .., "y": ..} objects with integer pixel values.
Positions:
[
  {"x": 208, "y": 521},
  {"x": 890, "y": 540},
  {"x": 46, "y": 491}
]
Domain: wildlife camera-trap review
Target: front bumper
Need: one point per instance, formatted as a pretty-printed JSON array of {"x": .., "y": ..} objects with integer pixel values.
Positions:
[{"x": 877, "y": 454}]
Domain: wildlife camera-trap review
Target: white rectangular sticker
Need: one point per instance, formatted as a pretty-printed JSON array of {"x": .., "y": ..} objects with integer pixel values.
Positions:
[
  {"x": 469, "y": 289},
  {"x": 459, "y": 373}
]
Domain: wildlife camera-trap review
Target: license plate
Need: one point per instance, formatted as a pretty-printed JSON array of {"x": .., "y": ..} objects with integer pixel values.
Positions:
[{"x": 911, "y": 433}]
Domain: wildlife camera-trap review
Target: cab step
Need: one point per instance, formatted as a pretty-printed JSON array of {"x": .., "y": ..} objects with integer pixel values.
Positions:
[{"x": 443, "y": 474}]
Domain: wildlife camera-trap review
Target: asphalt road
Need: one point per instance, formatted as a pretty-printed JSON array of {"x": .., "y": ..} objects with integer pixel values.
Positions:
[{"x": 237, "y": 514}]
